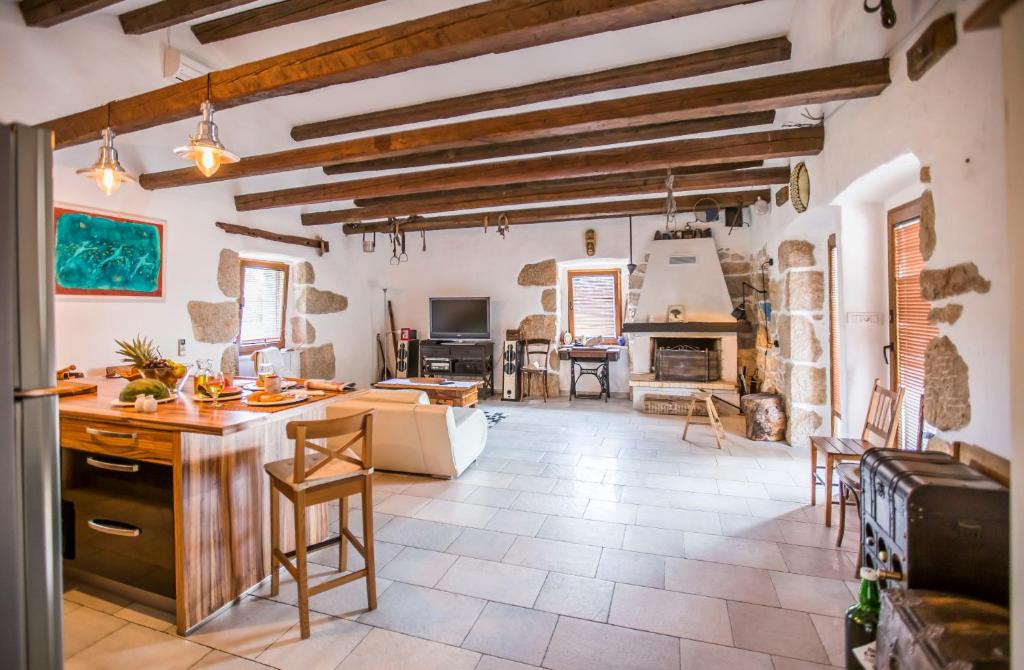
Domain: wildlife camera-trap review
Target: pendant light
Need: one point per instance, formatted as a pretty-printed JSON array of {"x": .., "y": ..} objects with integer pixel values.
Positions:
[
  {"x": 631, "y": 266},
  {"x": 107, "y": 171},
  {"x": 204, "y": 148}
]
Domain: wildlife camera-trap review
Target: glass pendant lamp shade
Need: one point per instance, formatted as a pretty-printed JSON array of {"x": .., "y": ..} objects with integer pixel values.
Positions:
[
  {"x": 204, "y": 148},
  {"x": 107, "y": 171}
]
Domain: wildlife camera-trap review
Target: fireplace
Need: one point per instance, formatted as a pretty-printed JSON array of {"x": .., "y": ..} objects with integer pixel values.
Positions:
[{"x": 695, "y": 359}]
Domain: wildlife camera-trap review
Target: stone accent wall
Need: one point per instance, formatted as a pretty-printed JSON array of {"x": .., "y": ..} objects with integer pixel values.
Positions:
[
  {"x": 544, "y": 273},
  {"x": 947, "y": 395},
  {"x": 549, "y": 300},
  {"x": 738, "y": 267},
  {"x": 636, "y": 283}
]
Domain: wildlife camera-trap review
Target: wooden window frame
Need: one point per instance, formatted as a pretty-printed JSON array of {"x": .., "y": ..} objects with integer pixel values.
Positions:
[
  {"x": 271, "y": 265},
  {"x": 834, "y": 343},
  {"x": 617, "y": 274}
]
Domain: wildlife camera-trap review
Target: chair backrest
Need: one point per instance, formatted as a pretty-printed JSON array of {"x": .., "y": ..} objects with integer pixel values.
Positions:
[
  {"x": 538, "y": 347},
  {"x": 882, "y": 421},
  {"x": 358, "y": 427}
]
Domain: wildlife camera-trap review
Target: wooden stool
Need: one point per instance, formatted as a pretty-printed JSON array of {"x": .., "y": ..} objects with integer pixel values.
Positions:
[
  {"x": 713, "y": 420},
  {"x": 334, "y": 473}
]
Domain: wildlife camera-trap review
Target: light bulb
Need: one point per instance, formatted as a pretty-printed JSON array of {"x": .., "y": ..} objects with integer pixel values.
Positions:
[
  {"x": 208, "y": 160},
  {"x": 108, "y": 179}
]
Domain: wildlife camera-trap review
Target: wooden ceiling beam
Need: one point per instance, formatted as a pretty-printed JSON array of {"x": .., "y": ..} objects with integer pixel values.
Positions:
[
  {"x": 557, "y": 143},
  {"x": 987, "y": 15},
  {"x": 271, "y": 16},
  {"x": 523, "y": 194},
  {"x": 48, "y": 13},
  {"x": 679, "y": 67},
  {"x": 661, "y": 155},
  {"x": 458, "y": 195},
  {"x": 840, "y": 82},
  {"x": 494, "y": 26},
  {"x": 588, "y": 211},
  {"x": 169, "y": 13}
]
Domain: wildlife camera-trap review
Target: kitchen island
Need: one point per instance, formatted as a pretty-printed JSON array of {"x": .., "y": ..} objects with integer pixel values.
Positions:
[{"x": 176, "y": 502}]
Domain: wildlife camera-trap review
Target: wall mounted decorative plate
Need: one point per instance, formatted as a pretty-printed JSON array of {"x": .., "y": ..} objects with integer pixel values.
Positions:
[
  {"x": 108, "y": 255},
  {"x": 800, "y": 187},
  {"x": 782, "y": 196}
]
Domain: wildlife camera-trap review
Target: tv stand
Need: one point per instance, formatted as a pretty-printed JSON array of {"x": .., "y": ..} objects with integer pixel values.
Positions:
[{"x": 454, "y": 360}]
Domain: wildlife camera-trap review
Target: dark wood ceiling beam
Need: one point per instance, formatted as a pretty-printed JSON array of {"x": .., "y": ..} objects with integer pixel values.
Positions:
[
  {"x": 47, "y": 13},
  {"x": 987, "y": 15},
  {"x": 680, "y": 67},
  {"x": 558, "y": 143},
  {"x": 459, "y": 195},
  {"x": 840, "y": 82},
  {"x": 524, "y": 194},
  {"x": 494, "y": 26},
  {"x": 589, "y": 211},
  {"x": 682, "y": 153},
  {"x": 271, "y": 16},
  {"x": 169, "y": 13}
]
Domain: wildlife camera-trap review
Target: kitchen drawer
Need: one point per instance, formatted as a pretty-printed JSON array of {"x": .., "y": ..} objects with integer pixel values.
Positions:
[{"x": 143, "y": 444}]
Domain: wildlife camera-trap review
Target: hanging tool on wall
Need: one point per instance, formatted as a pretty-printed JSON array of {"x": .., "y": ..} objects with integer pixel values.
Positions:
[
  {"x": 503, "y": 225},
  {"x": 423, "y": 238},
  {"x": 888, "y": 11},
  {"x": 670, "y": 203}
]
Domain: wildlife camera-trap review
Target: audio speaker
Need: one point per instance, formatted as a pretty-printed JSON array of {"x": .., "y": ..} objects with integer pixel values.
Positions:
[
  {"x": 407, "y": 359},
  {"x": 511, "y": 366}
]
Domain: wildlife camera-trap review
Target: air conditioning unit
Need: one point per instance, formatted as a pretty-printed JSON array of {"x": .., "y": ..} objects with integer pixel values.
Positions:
[{"x": 182, "y": 67}]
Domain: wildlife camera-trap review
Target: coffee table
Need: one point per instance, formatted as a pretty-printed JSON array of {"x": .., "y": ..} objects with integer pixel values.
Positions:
[{"x": 454, "y": 393}]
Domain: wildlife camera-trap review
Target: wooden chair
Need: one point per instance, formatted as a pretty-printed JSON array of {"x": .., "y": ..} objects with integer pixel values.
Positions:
[
  {"x": 713, "y": 419},
  {"x": 534, "y": 348},
  {"x": 880, "y": 426},
  {"x": 849, "y": 482},
  {"x": 333, "y": 473}
]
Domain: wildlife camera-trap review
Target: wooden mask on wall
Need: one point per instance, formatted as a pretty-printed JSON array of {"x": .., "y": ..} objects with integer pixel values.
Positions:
[{"x": 590, "y": 237}]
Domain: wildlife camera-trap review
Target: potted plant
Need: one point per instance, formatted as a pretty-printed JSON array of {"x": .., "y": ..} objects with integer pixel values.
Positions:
[{"x": 145, "y": 356}]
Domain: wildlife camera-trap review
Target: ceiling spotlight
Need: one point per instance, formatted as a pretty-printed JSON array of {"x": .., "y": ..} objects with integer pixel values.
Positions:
[
  {"x": 107, "y": 171},
  {"x": 205, "y": 148}
]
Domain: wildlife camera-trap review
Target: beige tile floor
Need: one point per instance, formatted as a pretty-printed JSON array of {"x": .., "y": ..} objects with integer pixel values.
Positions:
[{"x": 586, "y": 536}]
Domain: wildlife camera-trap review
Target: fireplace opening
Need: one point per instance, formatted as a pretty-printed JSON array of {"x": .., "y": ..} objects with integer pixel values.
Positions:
[{"x": 692, "y": 359}]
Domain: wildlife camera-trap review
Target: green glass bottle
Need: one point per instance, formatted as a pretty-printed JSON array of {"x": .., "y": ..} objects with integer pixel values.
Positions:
[{"x": 862, "y": 617}]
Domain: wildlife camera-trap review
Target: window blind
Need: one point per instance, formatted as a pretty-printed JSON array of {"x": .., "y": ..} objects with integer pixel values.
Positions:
[
  {"x": 833, "y": 333},
  {"x": 594, "y": 304},
  {"x": 913, "y": 330},
  {"x": 263, "y": 294}
]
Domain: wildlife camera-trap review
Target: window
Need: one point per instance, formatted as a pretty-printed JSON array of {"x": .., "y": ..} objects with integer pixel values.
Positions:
[
  {"x": 833, "y": 333},
  {"x": 595, "y": 307},
  {"x": 264, "y": 297}
]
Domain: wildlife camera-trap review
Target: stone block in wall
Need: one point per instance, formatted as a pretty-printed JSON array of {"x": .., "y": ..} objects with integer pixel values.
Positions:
[
  {"x": 544, "y": 273},
  {"x": 736, "y": 267},
  {"x": 805, "y": 290},
  {"x": 229, "y": 273},
  {"x": 303, "y": 273},
  {"x": 798, "y": 340},
  {"x": 636, "y": 280},
  {"x": 734, "y": 284},
  {"x": 946, "y": 314},
  {"x": 803, "y": 423},
  {"x": 533, "y": 386},
  {"x": 538, "y": 327},
  {"x": 747, "y": 358},
  {"x": 775, "y": 293},
  {"x": 549, "y": 300},
  {"x": 796, "y": 254},
  {"x": 317, "y": 362},
  {"x": 806, "y": 384},
  {"x": 229, "y": 360},
  {"x": 214, "y": 322},
  {"x": 553, "y": 360},
  {"x": 955, "y": 280},
  {"x": 947, "y": 394},
  {"x": 303, "y": 331},
  {"x": 926, "y": 231},
  {"x": 314, "y": 301}
]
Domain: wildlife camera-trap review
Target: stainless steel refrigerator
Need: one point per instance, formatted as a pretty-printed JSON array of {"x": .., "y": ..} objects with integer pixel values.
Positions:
[{"x": 30, "y": 537}]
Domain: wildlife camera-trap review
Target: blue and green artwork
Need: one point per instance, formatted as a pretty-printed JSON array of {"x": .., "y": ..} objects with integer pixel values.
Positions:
[{"x": 101, "y": 255}]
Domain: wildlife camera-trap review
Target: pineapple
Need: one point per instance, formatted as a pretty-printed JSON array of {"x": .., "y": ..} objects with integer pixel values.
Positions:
[{"x": 141, "y": 352}]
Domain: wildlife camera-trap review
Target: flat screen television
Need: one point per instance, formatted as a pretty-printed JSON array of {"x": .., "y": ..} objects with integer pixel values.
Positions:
[{"x": 460, "y": 318}]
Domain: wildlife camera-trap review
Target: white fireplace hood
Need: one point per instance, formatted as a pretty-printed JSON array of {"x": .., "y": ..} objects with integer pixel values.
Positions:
[{"x": 687, "y": 273}]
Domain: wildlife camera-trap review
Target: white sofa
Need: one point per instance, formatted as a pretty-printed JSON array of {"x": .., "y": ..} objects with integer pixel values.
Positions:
[{"x": 411, "y": 435}]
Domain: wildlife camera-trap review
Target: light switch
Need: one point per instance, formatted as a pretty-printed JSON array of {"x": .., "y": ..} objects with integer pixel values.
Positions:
[
  {"x": 864, "y": 317},
  {"x": 181, "y": 347}
]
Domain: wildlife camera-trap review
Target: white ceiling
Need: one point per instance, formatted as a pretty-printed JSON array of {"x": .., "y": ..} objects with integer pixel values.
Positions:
[{"x": 46, "y": 73}]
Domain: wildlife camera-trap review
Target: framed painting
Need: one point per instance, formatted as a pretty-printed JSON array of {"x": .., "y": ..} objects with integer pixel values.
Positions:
[{"x": 101, "y": 254}]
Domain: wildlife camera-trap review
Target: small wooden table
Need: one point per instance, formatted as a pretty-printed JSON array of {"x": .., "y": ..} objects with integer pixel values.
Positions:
[
  {"x": 454, "y": 393},
  {"x": 598, "y": 358}
]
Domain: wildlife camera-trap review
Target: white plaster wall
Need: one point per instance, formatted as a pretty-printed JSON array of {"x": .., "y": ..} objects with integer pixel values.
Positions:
[{"x": 952, "y": 122}]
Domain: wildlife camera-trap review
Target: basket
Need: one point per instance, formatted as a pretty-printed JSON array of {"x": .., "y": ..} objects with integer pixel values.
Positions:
[{"x": 656, "y": 403}]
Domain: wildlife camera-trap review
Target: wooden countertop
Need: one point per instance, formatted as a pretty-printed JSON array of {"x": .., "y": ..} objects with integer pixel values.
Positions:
[{"x": 183, "y": 414}]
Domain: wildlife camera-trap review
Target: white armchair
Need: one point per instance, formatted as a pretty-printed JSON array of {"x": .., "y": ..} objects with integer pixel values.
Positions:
[{"x": 411, "y": 435}]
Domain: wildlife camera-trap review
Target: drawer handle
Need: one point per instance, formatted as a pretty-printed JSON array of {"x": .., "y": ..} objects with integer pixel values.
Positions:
[
  {"x": 114, "y": 528},
  {"x": 107, "y": 465},
  {"x": 96, "y": 432}
]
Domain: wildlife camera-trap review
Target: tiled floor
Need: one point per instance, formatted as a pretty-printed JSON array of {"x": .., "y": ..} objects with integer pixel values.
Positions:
[{"x": 587, "y": 536}]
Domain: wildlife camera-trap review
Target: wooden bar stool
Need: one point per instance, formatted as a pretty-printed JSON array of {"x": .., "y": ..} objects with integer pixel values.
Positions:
[
  {"x": 333, "y": 473},
  {"x": 713, "y": 419}
]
